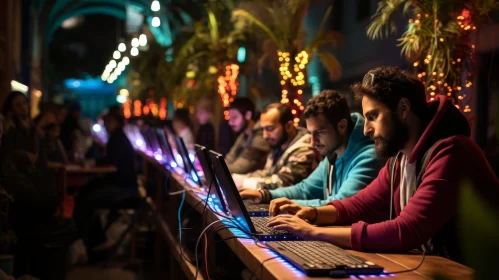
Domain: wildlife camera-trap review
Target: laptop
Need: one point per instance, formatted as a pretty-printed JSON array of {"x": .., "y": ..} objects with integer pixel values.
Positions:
[
  {"x": 257, "y": 225},
  {"x": 317, "y": 258},
  {"x": 188, "y": 164},
  {"x": 204, "y": 160},
  {"x": 166, "y": 147}
]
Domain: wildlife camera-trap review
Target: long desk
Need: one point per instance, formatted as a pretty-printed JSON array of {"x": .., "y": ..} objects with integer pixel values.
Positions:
[{"x": 250, "y": 254}]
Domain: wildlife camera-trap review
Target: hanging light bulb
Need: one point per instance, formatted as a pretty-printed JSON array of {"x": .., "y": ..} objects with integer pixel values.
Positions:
[
  {"x": 116, "y": 55},
  {"x": 135, "y": 42},
  {"x": 155, "y": 6},
  {"x": 142, "y": 40},
  {"x": 126, "y": 60},
  {"x": 122, "y": 47},
  {"x": 134, "y": 51},
  {"x": 156, "y": 22}
]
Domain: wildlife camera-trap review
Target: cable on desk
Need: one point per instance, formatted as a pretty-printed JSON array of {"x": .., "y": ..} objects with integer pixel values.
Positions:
[
  {"x": 413, "y": 269},
  {"x": 179, "y": 192},
  {"x": 206, "y": 256},
  {"x": 180, "y": 225},
  {"x": 197, "y": 245}
]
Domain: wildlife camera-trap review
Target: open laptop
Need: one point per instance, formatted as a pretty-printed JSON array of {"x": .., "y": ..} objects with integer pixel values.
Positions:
[
  {"x": 256, "y": 224},
  {"x": 317, "y": 258},
  {"x": 166, "y": 148},
  {"x": 188, "y": 164},
  {"x": 204, "y": 159}
]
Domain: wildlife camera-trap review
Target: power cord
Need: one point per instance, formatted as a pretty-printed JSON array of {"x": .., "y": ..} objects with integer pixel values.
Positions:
[{"x": 410, "y": 270}]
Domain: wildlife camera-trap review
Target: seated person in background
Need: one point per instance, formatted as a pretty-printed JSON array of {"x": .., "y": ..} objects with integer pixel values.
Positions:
[
  {"x": 292, "y": 158},
  {"x": 182, "y": 125},
  {"x": 51, "y": 145},
  {"x": 119, "y": 152},
  {"x": 206, "y": 133},
  {"x": 414, "y": 199},
  {"x": 349, "y": 164},
  {"x": 19, "y": 131},
  {"x": 250, "y": 149},
  {"x": 117, "y": 190}
]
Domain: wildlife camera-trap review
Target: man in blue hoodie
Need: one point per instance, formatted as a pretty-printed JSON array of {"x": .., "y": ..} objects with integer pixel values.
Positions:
[{"x": 349, "y": 164}]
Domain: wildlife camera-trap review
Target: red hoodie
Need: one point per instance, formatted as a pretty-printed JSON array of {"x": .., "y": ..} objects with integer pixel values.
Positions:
[{"x": 431, "y": 212}]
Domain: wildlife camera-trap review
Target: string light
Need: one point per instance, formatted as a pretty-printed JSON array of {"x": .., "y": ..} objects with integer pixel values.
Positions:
[
  {"x": 438, "y": 81},
  {"x": 228, "y": 86},
  {"x": 162, "y": 108},
  {"x": 137, "y": 108},
  {"x": 127, "y": 110},
  {"x": 292, "y": 79}
]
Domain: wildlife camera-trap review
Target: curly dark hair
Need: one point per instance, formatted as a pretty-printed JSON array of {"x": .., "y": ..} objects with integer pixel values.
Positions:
[
  {"x": 389, "y": 84},
  {"x": 331, "y": 104}
]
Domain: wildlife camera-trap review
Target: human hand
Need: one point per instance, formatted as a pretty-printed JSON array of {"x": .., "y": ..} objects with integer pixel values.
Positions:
[
  {"x": 283, "y": 205},
  {"x": 254, "y": 195},
  {"x": 294, "y": 225}
]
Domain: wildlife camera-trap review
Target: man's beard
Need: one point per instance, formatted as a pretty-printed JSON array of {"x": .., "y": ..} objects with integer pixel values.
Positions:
[
  {"x": 394, "y": 142},
  {"x": 283, "y": 139}
]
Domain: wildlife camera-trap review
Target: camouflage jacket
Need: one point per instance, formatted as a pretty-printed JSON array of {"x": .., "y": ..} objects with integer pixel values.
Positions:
[{"x": 294, "y": 165}]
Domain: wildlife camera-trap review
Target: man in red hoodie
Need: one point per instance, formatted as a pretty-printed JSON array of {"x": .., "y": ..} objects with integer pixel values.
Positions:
[{"x": 413, "y": 201}]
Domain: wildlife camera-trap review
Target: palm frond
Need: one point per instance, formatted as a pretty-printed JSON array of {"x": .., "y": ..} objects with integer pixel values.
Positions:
[
  {"x": 331, "y": 63},
  {"x": 251, "y": 18},
  {"x": 382, "y": 23},
  {"x": 213, "y": 26}
]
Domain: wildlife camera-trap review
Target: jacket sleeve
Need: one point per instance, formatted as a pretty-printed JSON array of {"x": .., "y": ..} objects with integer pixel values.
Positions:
[
  {"x": 310, "y": 188},
  {"x": 431, "y": 207},
  {"x": 298, "y": 167},
  {"x": 251, "y": 157}
]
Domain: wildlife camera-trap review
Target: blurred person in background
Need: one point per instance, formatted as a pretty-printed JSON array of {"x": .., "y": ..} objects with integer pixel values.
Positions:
[
  {"x": 206, "y": 132},
  {"x": 250, "y": 149},
  {"x": 182, "y": 125}
]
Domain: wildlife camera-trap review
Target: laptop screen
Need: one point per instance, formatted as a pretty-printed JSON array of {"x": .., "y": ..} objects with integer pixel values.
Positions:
[
  {"x": 188, "y": 165},
  {"x": 206, "y": 165},
  {"x": 226, "y": 184},
  {"x": 166, "y": 147}
]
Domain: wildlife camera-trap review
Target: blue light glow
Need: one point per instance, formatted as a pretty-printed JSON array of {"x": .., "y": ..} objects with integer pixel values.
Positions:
[
  {"x": 241, "y": 54},
  {"x": 173, "y": 164}
]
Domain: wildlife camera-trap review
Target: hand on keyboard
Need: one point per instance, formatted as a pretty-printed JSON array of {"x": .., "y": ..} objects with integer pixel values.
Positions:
[
  {"x": 280, "y": 205},
  {"x": 294, "y": 225},
  {"x": 254, "y": 195}
]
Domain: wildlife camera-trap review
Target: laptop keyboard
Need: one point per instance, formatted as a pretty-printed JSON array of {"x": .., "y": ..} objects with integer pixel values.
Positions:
[
  {"x": 260, "y": 224},
  {"x": 322, "y": 255}
]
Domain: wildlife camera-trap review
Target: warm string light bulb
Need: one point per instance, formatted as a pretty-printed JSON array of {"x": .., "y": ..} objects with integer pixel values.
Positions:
[
  {"x": 228, "y": 86},
  {"x": 292, "y": 71},
  {"x": 438, "y": 81}
]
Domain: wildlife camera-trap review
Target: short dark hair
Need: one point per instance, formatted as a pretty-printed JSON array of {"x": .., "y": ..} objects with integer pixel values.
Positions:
[
  {"x": 389, "y": 84},
  {"x": 285, "y": 113},
  {"x": 183, "y": 115},
  {"x": 243, "y": 105},
  {"x": 331, "y": 104}
]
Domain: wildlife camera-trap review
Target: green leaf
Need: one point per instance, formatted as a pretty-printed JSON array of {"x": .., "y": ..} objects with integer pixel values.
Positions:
[{"x": 213, "y": 26}]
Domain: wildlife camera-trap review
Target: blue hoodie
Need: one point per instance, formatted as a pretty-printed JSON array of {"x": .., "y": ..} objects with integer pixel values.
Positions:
[{"x": 353, "y": 171}]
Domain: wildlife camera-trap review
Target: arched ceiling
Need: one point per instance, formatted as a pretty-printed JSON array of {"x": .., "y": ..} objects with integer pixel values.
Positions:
[{"x": 53, "y": 12}]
